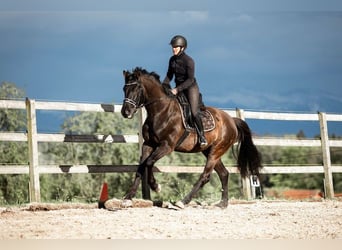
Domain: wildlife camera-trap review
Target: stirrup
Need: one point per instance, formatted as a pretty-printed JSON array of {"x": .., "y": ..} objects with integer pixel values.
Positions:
[{"x": 203, "y": 142}]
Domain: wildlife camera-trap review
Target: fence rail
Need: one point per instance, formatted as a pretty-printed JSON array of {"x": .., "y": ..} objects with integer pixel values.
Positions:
[{"x": 32, "y": 137}]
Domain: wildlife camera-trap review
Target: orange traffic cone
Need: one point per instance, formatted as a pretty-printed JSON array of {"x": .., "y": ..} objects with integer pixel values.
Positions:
[{"x": 103, "y": 196}]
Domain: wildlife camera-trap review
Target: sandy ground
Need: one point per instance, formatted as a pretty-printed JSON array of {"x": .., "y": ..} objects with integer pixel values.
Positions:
[{"x": 241, "y": 220}]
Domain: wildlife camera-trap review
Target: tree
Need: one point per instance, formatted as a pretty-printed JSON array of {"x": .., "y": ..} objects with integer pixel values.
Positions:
[
  {"x": 86, "y": 187},
  {"x": 13, "y": 188},
  {"x": 11, "y": 120},
  {"x": 300, "y": 134}
]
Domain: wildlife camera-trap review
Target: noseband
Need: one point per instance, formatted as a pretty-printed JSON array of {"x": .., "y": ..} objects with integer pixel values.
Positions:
[{"x": 135, "y": 103}]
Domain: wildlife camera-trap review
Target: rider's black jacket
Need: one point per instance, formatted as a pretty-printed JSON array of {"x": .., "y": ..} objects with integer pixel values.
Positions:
[{"x": 183, "y": 68}]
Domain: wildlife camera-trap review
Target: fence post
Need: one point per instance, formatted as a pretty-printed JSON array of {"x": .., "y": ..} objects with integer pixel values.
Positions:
[
  {"x": 246, "y": 185},
  {"x": 145, "y": 189},
  {"x": 33, "y": 151},
  {"x": 328, "y": 178}
]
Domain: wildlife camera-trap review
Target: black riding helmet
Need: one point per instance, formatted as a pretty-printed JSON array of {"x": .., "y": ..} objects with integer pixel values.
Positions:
[{"x": 178, "y": 41}]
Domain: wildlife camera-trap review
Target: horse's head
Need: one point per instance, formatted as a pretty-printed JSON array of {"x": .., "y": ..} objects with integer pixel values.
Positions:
[
  {"x": 134, "y": 96},
  {"x": 142, "y": 88}
]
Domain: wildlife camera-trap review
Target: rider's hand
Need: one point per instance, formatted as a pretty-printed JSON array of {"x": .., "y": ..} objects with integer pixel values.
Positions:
[{"x": 174, "y": 91}]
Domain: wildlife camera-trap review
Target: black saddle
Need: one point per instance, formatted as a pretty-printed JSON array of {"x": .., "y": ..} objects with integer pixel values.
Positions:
[{"x": 205, "y": 115}]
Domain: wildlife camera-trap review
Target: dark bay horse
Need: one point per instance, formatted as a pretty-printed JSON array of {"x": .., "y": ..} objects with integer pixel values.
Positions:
[{"x": 163, "y": 128}]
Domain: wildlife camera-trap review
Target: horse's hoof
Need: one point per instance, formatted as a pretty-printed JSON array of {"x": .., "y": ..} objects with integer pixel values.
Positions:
[
  {"x": 171, "y": 206},
  {"x": 222, "y": 204},
  {"x": 127, "y": 203},
  {"x": 180, "y": 204}
]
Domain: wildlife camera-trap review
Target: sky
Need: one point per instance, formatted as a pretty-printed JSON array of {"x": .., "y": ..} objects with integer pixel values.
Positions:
[{"x": 255, "y": 55}]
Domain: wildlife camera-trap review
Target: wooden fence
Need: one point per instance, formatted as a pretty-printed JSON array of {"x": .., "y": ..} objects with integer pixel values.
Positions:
[{"x": 33, "y": 137}]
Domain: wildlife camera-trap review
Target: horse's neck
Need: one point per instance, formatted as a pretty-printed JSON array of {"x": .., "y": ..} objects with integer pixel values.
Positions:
[
  {"x": 157, "y": 100},
  {"x": 154, "y": 91}
]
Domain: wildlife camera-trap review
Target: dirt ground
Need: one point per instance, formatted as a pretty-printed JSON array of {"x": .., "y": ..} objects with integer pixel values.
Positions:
[{"x": 241, "y": 220}]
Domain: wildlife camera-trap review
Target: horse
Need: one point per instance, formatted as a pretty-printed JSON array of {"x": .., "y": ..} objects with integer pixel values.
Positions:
[{"x": 163, "y": 132}]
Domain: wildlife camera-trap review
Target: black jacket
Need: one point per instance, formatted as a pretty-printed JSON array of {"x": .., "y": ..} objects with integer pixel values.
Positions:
[{"x": 183, "y": 68}]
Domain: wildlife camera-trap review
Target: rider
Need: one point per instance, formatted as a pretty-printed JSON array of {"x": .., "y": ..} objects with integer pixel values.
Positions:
[{"x": 182, "y": 67}]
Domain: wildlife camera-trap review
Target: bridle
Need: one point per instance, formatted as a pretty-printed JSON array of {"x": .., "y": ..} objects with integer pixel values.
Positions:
[
  {"x": 135, "y": 103},
  {"x": 138, "y": 103}
]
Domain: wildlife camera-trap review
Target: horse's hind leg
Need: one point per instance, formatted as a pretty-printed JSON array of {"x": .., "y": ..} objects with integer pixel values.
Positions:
[
  {"x": 223, "y": 175},
  {"x": 204, "y": 178}
]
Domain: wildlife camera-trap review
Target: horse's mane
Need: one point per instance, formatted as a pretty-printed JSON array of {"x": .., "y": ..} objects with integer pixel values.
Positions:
[{"x": 139, "y": 71}]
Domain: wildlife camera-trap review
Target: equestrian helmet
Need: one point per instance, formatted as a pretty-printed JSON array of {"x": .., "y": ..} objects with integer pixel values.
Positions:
[{"x": 178, "y": 41}]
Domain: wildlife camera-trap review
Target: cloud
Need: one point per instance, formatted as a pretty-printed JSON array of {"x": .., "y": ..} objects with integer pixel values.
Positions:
[
  {"x": 270, "y": 52},
  {"x": 49, "y": 29},
  {"x": 271, "y": 101},
  {"x": 190, "y": 16},
  {"x": 237, "y": 19}
]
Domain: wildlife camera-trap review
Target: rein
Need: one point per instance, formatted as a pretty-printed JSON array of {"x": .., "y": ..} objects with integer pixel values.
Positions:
[
  {"x": 153, "y": 101},
  {"x": 135, "y": 103}
]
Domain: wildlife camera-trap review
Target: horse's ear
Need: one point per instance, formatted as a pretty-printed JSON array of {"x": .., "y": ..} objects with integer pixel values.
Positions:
[
  {"x": 124, "y": 72},
  {"x": 137, "y": 73}
]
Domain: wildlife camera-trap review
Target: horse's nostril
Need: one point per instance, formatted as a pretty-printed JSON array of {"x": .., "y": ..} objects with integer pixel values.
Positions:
[{"x": 124, "y": 112}]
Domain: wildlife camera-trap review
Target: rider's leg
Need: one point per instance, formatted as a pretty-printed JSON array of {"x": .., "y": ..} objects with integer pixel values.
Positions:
[
  {"x": 199, "y": 127},
  {"x": 193, "y": 97}
]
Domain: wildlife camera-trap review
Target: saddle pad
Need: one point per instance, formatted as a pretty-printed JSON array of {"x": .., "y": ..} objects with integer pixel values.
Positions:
[
  {"x": 206, "y": 117},
  {"x": 207, "y": 120}
]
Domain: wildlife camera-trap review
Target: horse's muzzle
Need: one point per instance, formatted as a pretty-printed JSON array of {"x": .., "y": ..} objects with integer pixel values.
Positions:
[{"x": 127, "y": 112}]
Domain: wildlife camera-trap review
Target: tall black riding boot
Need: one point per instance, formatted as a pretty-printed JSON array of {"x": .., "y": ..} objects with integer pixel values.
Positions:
[{"x": 199, "y": 128}]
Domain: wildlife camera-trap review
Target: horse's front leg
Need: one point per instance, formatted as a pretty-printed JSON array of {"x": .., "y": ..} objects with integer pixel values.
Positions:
[
  {"x": 163, "y": 149},
  {"x": 133, "y": 189},
  {"x": 146, "y": 151}
]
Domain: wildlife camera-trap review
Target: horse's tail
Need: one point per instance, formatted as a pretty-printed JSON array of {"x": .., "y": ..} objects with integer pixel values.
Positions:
[{"x": 249, "y": 158}]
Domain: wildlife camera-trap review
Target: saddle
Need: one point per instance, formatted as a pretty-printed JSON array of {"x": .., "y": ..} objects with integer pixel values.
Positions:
[{"x": 205, "y": 115}]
